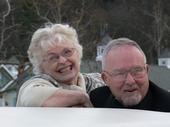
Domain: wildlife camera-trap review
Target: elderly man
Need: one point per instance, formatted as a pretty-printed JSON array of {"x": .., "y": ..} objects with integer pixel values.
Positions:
[{"x": 125, "y": 72}]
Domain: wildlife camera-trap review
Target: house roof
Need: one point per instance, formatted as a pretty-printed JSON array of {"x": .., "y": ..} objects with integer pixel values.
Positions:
[
  {"x": 9, "y": 85},
  {"x": 8, "y": 80},
  {"x": 2, "y": 66},
  {"x": 160, "y": 76},
  {"x": 17, "y": 82}
]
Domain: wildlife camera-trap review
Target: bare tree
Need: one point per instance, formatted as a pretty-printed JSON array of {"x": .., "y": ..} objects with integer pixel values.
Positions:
[
  {"x": 3, "y": 21},
  {"x": 156, "y": 31},
  {"x": 158, "y": 27},
  {"x": 4, "y": 27},
  {"x": 77, "y": 13}
]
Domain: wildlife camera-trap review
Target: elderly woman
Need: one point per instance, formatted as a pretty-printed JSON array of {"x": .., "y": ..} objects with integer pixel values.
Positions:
[{"x": 55, "y": 54}]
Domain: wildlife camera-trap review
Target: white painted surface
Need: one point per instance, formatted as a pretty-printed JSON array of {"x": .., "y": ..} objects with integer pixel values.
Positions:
[{"x": 81, "y": 117}]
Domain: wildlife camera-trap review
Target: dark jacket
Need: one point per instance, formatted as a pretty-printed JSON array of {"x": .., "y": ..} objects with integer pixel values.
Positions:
[{"x": 156, "y": 99}]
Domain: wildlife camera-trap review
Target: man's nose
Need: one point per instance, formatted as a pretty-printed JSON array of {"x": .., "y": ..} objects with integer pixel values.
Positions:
[{"x": 129, "y": 78}]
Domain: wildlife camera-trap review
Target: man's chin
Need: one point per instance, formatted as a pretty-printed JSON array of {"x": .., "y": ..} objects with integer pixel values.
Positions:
[{"x": 131, "y": 100}]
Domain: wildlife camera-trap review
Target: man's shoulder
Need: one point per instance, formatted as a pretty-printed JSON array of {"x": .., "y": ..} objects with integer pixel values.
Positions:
[
  {"x": 99, "y": 96},
  {"x": 160, "y": 92},
  {"x": 161, "y": 98},
  {"x": 102, "y": 91}
]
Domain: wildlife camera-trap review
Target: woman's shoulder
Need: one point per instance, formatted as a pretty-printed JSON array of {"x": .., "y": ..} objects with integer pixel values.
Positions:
[
  {"x": 40, "y": 80},
  {"x": 93, "y": 80}
]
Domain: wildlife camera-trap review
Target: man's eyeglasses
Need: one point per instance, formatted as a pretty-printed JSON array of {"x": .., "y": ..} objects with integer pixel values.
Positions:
[
  {"x": 136, "y": 72},
  {"x": 66, "y": 53}
]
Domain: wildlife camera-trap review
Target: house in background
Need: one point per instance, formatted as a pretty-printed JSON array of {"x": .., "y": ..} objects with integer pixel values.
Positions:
[
  {"x": 10, "y": 83},
  {"x": 164, "y": 59},
  {"x": 8, "y": 78},
  {"x": 101, "y": 46}
]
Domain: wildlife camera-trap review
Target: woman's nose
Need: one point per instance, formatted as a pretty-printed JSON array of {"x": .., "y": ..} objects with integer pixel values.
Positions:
[{"x": 61, "y": 59}]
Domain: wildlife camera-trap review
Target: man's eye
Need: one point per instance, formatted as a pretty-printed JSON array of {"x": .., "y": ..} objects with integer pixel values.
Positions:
[
  {"x": 118, "y": 73},
  {"x": 137, "y": 69}
]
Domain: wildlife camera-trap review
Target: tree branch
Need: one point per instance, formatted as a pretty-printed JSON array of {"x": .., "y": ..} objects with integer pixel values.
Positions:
[
  {"x": 8, "y": 11},
  {"x": 38, "y": 12}
]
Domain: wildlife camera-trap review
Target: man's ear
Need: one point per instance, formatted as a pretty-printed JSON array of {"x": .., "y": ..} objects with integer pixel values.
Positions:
[
  {"x": 147, "y": 68},
  {"x": 104, "y": 77}
]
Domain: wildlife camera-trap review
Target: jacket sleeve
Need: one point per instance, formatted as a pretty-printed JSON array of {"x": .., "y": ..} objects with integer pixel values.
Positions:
[{"x": 34, "y": 92}]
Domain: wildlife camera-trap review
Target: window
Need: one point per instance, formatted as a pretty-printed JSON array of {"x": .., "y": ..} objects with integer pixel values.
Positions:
[{"x": 163, "y": 62}]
